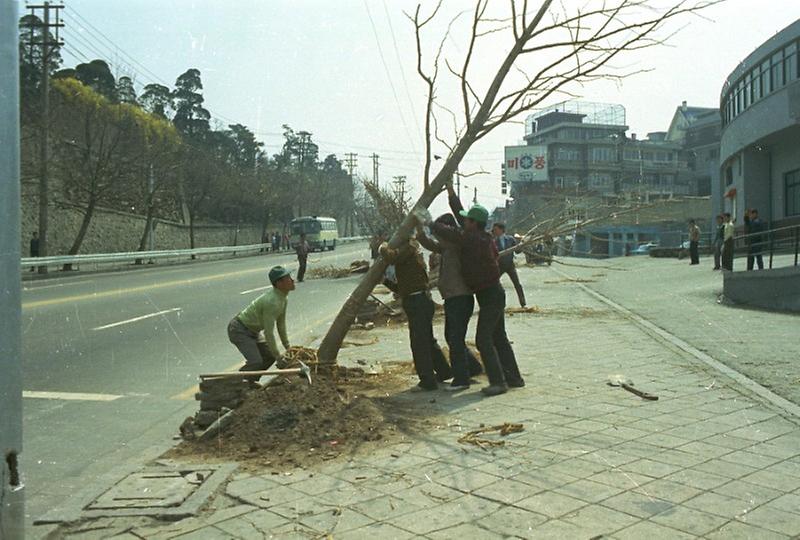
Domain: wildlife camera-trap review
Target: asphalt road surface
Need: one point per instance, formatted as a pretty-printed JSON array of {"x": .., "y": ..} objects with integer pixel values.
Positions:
[{"x": 111, "y": 360}]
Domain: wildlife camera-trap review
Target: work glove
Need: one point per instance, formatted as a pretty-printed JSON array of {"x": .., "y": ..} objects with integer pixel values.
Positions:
[{"x": 422, "y": 216}]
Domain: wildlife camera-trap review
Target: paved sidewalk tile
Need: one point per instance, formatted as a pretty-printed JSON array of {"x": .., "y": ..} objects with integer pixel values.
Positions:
[{"x": 707, "y": 460}]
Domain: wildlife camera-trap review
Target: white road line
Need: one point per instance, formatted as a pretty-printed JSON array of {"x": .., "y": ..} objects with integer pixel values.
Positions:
[
  {"x": 135, "y": 319},
  {"x": 256, "y": 289},
  {"x": 69, "y": 396},
  {"x": 38, "y": 287}
]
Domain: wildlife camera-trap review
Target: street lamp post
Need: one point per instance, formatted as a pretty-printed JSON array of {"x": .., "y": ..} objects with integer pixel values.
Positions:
[{"x": 12, "y": 492}]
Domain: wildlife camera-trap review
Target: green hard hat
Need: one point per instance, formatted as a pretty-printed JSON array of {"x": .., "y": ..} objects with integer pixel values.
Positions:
[
  {"x": 278, "y": 272},
  {"x": 477, "y": 213}
]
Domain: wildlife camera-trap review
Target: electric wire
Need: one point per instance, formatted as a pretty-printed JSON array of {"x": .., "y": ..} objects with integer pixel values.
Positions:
[{"x": 389, "y": 77}]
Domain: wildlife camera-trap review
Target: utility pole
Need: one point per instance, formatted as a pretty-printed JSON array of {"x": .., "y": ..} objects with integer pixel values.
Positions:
[
  {"x": 44, "y": 135},
  {"x": 151, "y": 188},
  {"x": 351, "y": 162},
  {"x": 12, "y": 488},
  {"x": 375, "y": 179},
  {"x": 458, "y": 183},
  {"x": 400, "y": 190}
]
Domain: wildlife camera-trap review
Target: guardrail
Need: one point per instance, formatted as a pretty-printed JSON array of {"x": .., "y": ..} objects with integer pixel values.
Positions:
[{"x": 122, "y": 257}]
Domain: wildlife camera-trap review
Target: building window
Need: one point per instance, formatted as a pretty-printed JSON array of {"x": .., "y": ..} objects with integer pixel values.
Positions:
[
  {"x": 765, "y": 86},
  {"x": 568, "y": 154},
  {"x": 601, "y": 154},
  {"x": 790, "y": 62},
  {"x": 747, "y": 84},
  {"x": 777, "y": 70},
  {"x": 755, "y": 85},
  {"x": 792, "y": 192}
]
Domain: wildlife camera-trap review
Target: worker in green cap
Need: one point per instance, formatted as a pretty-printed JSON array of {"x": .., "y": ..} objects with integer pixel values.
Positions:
[{"x": 262, "y": 316}]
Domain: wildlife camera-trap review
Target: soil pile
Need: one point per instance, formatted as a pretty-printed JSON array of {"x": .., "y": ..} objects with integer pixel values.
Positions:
[{"x": 291, "y": 423}]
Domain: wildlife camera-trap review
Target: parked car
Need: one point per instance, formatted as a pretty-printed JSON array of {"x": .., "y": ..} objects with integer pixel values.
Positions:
[{"x": 644, "y": 249}]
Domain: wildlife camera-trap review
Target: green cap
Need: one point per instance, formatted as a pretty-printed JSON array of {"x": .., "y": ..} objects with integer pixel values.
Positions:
[
  {"x": 477, "y": 213},
  {"x": 278, "y": 272}
]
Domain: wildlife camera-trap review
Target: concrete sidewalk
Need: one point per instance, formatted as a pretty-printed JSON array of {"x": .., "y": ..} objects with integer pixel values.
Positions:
[{"x": 707, "y": 460}]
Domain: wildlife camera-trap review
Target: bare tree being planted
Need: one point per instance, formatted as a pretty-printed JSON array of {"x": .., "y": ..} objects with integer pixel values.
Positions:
[{"x": 551, "y": 51}]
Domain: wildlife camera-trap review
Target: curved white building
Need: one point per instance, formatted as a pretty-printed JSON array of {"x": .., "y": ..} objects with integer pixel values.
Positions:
[{"x": 760, "y": 146}]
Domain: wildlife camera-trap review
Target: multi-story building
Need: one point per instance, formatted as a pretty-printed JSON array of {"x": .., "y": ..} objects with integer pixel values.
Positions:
[
  {"x": 587, "y": 149},
  {"x": 578, "y": 156},
  {"x": 760, "y": 146},
  {"x": 697, "y": 130}
]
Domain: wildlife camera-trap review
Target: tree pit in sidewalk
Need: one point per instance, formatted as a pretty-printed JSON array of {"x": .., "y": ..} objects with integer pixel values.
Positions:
[{"x": 290, "y": 423}]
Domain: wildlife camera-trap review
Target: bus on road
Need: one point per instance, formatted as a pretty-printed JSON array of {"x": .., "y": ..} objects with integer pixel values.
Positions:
[{"x": 321, "y": 232}]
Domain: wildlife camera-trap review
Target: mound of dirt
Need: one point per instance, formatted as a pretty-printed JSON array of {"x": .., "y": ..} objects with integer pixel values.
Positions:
[{"x": 290, "y": 423}]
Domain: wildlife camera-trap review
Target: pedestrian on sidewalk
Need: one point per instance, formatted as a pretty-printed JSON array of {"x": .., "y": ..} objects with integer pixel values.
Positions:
[
  {"x": 753, "y": 229},
  {"x": 728, "y": 231},
  {"x": 694, "y": 242},
  {"x": 412, "y": 287},
  {"x": 302, "y": 249},
  {"x": 506, "y": 262},
  {"x": 719, "y": 239},
  {"x": 276, "y": 241},
  {"x": 481, "y": 273},
  {"x": 287, "y": 245},
  {"x": 34, "y": 248},
  {"x": 252, "y": 331},
  {"x": 459, "y": 304}
]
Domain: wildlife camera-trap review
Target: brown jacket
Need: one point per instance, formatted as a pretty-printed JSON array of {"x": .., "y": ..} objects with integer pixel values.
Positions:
[
  {"x": 478, "y": 251},
  {"x": 409, "y": 266},
  {"x": 451, "y": 282}
]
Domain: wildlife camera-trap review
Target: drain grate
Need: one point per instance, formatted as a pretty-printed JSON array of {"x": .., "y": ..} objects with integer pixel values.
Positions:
[{"x": 164, "y": 491}]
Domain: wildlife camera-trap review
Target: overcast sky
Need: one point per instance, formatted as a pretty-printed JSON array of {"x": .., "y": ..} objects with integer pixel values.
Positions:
[{"x": 321, "y": 66}]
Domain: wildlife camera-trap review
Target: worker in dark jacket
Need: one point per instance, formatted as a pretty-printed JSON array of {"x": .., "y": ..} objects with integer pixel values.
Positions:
[
  {"x": 481, "y": 273},
  {"x": 412, "y": 287},
  {"x": 754, "y": 229}
]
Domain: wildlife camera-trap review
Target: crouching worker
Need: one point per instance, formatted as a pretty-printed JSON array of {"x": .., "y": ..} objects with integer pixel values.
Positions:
[
  {"x": 263, "y": 315},
  {"x": 412, "y": 287}
]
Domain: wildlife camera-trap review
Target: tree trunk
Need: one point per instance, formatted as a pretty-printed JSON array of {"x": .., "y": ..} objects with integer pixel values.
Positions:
[
  {"x": 191, "y": 232},
  {"x": 332, "y": 342},
  {"x": 87, "y": 220},
  {"x": 147, "y": 230}
]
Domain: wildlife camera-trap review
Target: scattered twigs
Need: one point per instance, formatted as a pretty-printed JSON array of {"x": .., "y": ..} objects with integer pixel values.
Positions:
[{"x": 484, "y": 443}]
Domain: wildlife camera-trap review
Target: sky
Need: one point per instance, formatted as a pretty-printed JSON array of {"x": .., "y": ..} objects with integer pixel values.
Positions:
[{"x": 345, "y": 70}]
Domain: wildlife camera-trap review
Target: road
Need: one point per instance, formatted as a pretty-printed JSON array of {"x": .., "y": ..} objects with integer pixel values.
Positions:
[{"x": 111, "y": 360}]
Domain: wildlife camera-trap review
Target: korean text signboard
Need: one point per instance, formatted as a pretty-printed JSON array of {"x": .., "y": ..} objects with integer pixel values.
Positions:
[{"x": 526, "y": 164}]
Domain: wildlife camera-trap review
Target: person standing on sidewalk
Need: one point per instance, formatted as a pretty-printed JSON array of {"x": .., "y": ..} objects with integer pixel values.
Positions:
[
  {"x": 506, "y": 262},
  {"x": 753, "y": 229},
  {"x": 694, "y": 242},
  {"x": 459, "y": 305},
  {"x": 482, "y": 275},
  {"x": 302, "y": 249},
  {"x": 34, "y": 248},
  {"x": 412, "y": 287},
  {"x": 719, "y": 238},
  {"x": 261, "y": 317},
  {"x": 728, "y": 231}
]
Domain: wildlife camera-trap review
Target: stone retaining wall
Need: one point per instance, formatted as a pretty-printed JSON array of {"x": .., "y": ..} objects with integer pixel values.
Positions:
[{"x": 112, "y": 231}]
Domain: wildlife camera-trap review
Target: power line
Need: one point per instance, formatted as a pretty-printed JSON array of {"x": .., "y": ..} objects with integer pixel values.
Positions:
[
  {"x": 389, "y": 77},
  {"x": 120, "y": 50},
  {"x": 402, "y": 73}
]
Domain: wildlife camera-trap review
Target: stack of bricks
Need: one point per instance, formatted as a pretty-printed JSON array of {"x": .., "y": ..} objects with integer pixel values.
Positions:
[{"x": 217, "y": 397}]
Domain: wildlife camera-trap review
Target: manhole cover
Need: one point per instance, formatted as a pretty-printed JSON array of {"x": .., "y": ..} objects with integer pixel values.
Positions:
[
  {"x": 151, "y": 490},
  {"x": 166, "y": 491}
]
